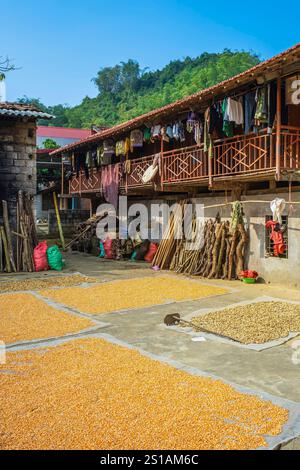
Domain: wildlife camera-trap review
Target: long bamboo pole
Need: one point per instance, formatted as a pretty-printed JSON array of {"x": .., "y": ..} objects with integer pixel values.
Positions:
[{"x": 8, "y": 236}]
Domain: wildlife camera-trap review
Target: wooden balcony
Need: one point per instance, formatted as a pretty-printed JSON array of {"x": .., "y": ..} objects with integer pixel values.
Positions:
[
  {"x": 138, "y": 168},
  {"x": 242, "y": 157},
  {"x": 82, "y": 185}
]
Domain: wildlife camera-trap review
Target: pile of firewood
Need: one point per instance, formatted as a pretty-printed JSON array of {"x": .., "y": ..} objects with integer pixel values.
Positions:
[
  {"x": 85, "y": 237},
  {"x": 221, "y": 255},
  {"x": 16, "y": 247}
]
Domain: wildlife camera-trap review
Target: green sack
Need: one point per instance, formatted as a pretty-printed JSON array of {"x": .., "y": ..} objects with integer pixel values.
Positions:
[{"x": 55, "y": 259}]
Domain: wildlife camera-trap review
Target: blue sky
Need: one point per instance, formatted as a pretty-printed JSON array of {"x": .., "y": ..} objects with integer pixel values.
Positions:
[{"x": 60, "y": 45}]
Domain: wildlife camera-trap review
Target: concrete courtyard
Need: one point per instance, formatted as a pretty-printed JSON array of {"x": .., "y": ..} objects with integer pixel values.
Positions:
[{"x": 271, "y": 371}]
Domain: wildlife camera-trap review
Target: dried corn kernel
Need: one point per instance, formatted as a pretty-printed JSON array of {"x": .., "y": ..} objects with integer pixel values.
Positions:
[
  {"x": 133, "y": 293},
  {"x": 44, "y": 283},
  {"x": 24, "y": 317},
  {"x": 90, "y": 394}
]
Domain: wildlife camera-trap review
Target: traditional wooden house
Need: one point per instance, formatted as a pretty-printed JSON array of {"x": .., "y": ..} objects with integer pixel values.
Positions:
[{"x": 238, "y": 140}]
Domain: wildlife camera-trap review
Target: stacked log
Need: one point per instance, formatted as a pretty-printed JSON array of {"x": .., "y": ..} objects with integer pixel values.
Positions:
[
  {"x": 16, "y": 247},
  {"x": 220, "y": 256}
]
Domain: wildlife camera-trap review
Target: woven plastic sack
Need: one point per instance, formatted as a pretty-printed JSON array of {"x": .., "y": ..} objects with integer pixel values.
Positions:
[
  {"x": 151, "y": 253},
  {"x": 55, "y": 258},
  {"x": 40, "y": 257},
  {"x": 108, "y": 249}
]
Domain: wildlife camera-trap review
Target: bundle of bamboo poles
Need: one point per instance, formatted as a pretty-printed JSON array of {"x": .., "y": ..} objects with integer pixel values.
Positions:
[
  {"x": 218, "y": 252},
  {"x": 16, "y": 247},
  {"x": 169, "y": 243}
]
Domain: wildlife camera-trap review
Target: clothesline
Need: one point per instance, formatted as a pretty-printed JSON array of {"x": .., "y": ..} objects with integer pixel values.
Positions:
[{"x": 244, "y": 202}]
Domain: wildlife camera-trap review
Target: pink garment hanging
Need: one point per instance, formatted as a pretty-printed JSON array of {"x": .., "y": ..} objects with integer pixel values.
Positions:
[{"x": 110, "y": 182}]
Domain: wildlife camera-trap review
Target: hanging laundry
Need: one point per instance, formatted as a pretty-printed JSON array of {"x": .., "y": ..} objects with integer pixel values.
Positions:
[
  {"x": 94, "y": 158},
  {"x": 110, "y": 180},
  {"x": 120, "y": 148},
  {"x": 216, "y": 121},
  {"x": 155, "y": 132},
  {"x": 228, "y": 126},
  {"x": 169, "y": 132},
  {"x": 89, "y": 159},
  {"x": 250, "y": 108},
  {"x": 136, "y": 139},
  {"x": 100, "y": 152},
  {"x": 208, "y": 142},
  {"x": 147, "y": 135},
  {"x": 261, "y": 114},
  {"x": 178, "y": 132},
  {"x": 198, "y": 132},
  {"x": 277, "y": 207},
  {"x": 109, "y": 147},
  {"x": 191, "y": 122},
  {"x": 127, "y": 146},
  {"x": 164, "y": 134},
  {"x": 235, "y": 111}
]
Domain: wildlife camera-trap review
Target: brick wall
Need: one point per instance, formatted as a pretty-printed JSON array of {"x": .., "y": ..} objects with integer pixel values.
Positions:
[{"x": 17, "y": 161}]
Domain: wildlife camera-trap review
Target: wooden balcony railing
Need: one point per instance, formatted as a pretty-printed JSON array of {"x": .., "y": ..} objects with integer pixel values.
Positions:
[
  {"x": 83, "y": 185},
  {"x": 290, "y": 148},
  {"x": 184, "y": 165},
  {"x": 138, "y": 168},
  {"x": 242, "y": 155}
]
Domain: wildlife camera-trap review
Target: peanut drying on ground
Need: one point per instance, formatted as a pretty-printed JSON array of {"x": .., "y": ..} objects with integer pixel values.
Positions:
[
  {"x": 132, "y": 293},
  {"x": 90, "y": 394},
  {"x": 255, "y": 323},
  {"x": 25, "y": 318},
  {"x": 44, "y": 283}
]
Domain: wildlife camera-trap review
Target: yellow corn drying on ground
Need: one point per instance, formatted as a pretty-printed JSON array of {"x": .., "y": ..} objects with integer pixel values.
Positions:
[
  {"x": 133, "y": 293},
  {"x": 90, "y": 394},
  {"x": 24, "y": 317}
]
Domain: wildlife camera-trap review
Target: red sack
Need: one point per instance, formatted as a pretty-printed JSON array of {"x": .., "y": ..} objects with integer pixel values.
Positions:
[
  {"x": 40, "y": 257},
  {"x": 151, "y": 253},
  {"x": 108, "y": 249}
]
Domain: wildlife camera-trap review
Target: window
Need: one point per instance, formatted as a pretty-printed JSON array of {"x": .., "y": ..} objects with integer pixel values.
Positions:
[{"x": 271, "y": 246}]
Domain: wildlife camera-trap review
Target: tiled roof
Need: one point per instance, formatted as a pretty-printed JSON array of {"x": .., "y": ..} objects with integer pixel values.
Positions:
[
  {"x": 22, "y": 110},
  {"x": 67, "y": 133},
  {"x": 249, "y": 75}
]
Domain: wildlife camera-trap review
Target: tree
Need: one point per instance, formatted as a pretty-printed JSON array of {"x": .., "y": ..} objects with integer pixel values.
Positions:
[
  {"x": 5, "y": 66},
  {"x": 50, "y": 144}
]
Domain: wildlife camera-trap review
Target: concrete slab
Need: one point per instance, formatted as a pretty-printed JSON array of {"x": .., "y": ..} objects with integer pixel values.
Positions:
[{"x": 271, "y": 371}]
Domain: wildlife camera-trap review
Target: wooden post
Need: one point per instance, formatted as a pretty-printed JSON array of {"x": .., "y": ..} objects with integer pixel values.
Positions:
[
  {"x": 61, "y": 233},
  {"x": 8, "y": 236},
  {"x": 161, "y": 162},
  {"x": 62, "y": 183},
  {"x": 278, "y": 129}
]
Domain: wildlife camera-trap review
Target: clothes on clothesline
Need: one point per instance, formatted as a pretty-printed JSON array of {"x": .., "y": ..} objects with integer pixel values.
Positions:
[{"x": 110, "y": 180}]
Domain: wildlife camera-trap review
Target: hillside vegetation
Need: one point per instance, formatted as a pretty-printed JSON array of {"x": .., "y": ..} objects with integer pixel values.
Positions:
[{"x": 126, "y": 91}]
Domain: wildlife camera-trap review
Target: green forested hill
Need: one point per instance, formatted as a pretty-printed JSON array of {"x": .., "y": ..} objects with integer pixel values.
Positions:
[{"x": 126, "y": 91}]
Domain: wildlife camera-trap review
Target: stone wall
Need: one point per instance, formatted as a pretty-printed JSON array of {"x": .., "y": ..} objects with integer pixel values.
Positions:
[
  {"x": 69, "y": 220},
  {"x": 17, "y": 161},
  {"x": 271, "y": 269}
]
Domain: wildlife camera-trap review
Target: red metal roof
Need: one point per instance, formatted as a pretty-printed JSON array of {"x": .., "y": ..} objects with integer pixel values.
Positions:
[
  {"x": 275, "y": 63},
  {"x": 63, "y": 132}
]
